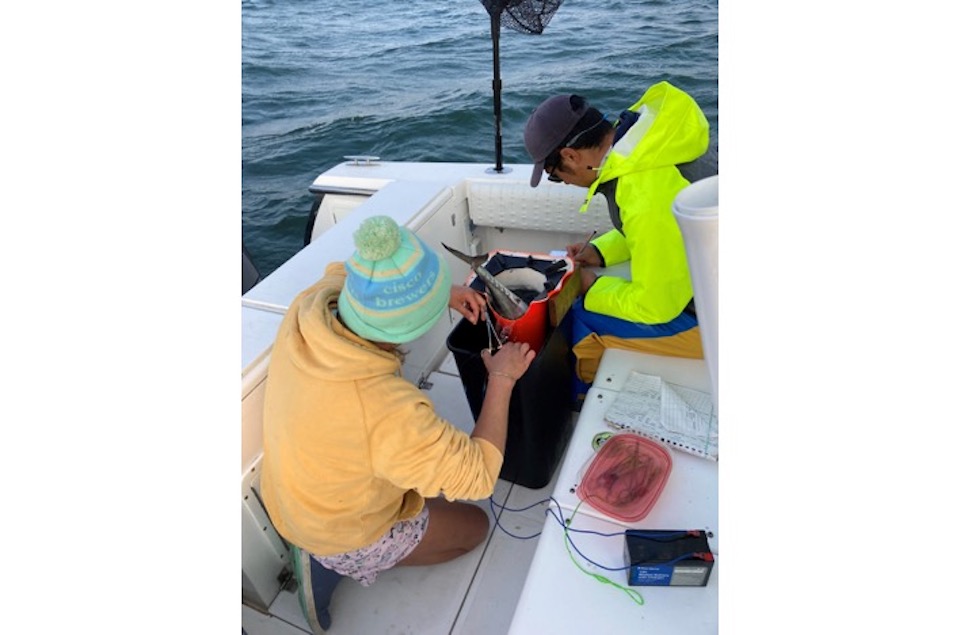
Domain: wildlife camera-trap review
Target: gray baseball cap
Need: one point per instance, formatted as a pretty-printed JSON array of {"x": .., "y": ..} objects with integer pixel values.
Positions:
[{"x": 547, "y": 127}]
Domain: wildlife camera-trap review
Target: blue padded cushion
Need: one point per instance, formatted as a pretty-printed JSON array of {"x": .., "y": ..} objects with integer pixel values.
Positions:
[{"x": 315, "y": 586}]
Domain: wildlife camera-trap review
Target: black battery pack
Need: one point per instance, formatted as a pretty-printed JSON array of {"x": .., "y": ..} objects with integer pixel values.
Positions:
[{"x": 665, "y": 557}]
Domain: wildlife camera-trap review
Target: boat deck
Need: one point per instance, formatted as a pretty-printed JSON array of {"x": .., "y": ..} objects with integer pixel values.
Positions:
[
  {"x": 475, "y": 594},
  {"x": 515, "y": 584}
]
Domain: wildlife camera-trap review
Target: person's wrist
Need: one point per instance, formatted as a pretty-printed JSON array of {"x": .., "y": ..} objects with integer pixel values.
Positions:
[
  {"x": 502, "y": 375},
  {"x": 592, "y": 282},
  {"x": 603, "y": 263}
]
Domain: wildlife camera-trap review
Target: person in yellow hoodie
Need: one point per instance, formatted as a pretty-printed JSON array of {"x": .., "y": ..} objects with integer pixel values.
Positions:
[
  {"x": 359, "y": 470},
  {"x": 639, "y": 162}
]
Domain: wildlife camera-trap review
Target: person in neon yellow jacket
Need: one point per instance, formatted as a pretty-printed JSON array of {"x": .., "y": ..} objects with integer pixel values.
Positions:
[{"x": 639, "y": 163}]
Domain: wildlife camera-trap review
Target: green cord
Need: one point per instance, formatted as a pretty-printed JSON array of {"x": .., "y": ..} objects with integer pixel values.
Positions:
[{"x": 631, "y": 593}]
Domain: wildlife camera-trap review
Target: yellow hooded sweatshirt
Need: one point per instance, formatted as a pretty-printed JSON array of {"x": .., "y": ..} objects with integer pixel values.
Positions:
[{"x": 349, "y": 446}]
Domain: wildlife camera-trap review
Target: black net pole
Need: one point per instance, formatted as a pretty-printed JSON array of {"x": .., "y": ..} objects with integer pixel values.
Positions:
[
  {"x": 525, "y": 16},
  {"x": 497, "y": 88}
]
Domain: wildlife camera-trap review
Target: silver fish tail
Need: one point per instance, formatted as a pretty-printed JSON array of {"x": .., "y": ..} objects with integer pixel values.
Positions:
[{"x": 505, "y": 301}]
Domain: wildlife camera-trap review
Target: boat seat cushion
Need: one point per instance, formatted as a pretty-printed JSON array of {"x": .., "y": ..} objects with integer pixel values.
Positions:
[{"x": 546, "y": 208}]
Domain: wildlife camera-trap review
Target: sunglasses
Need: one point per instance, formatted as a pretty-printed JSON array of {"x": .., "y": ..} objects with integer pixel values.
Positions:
[{"x": 551, "y": 176}]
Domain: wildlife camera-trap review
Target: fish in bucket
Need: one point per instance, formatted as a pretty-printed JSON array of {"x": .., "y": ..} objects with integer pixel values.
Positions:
[{"x": 520, "y": 288}]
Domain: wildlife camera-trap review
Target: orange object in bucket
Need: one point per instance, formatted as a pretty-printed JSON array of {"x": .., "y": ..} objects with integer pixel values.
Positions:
[{"x": 535, "y": 278}]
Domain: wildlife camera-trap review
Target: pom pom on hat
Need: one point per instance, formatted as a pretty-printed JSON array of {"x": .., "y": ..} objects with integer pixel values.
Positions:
[
  {"x": 396, "y": 288},
  {"x": 377, "y": 238}
]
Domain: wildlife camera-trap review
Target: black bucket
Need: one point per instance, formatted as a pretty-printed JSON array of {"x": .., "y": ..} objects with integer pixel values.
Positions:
[{"x": 540, "y": 419}]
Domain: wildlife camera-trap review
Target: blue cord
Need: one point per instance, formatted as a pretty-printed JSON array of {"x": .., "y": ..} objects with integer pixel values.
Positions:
[
  {"x": 496, "y": 519},
  {"x": 633, "y": 594},
  {"x": 541, "y": 502},
  {"x": 577, "y": 549},
  {"x": 653, "y": 536},
  {"x": 552, "y": 512},
  {"x": 557, "y": 503}
]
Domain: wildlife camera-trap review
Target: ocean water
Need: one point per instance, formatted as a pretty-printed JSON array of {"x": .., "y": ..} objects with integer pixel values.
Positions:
[{"x": 412, "y": 81}]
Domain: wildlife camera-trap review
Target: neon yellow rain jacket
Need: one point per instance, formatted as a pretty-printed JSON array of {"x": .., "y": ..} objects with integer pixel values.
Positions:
[{"x": 671, "y": 129}]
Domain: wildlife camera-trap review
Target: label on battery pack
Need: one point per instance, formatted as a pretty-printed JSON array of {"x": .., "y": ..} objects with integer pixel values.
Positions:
[
  {"x": 668, "y": 575},
  {"x": 651, "y": 575}
]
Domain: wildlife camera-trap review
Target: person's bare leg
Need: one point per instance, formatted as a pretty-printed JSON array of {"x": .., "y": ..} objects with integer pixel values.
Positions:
[{"x": 454, "y": 529}]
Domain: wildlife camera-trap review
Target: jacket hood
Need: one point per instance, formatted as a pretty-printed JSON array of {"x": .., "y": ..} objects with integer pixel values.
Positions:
[
  {"x": 319, "y": 344},
  {"x": 671, "y": 129}
]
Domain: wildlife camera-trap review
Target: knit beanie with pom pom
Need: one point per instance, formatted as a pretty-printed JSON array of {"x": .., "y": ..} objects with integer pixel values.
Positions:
[{"x": 397, "y": 287}]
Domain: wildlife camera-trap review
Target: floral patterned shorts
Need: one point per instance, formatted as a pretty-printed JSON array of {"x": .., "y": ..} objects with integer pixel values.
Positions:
[{"x": 366, "y": 563}]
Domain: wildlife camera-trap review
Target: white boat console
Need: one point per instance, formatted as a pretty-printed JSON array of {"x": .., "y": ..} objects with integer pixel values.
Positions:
[{"x": 557, "y": 596}]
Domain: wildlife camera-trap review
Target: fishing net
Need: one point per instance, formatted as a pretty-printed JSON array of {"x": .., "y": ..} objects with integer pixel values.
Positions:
[{"x": 525, "y": 16}]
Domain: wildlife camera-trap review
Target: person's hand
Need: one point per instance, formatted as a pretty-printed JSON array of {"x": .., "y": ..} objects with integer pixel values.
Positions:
[
  {"x": 584, "y": 254},
  {"x": 510, "y": 362},
  {"x": 468, "y": 302}
]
